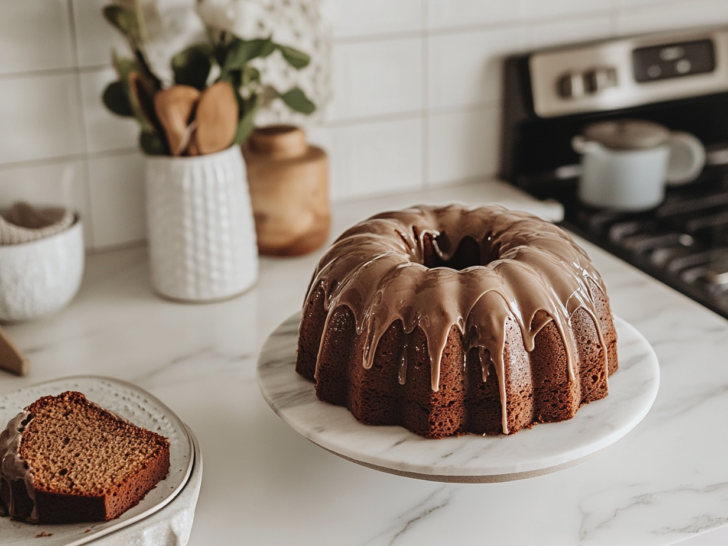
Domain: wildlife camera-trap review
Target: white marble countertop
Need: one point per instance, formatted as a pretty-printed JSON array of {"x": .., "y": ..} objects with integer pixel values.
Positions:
[{"x": 665, "y": 481}]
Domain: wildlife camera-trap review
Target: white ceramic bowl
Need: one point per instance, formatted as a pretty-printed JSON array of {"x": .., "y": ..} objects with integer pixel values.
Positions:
[{"x": 40, "y": 277}]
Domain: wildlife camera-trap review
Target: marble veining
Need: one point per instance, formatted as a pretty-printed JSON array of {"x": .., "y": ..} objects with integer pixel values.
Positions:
[
  {"x": 266, "y": 484},
  {"x": 632, "y": 390},
  {"x": 437, "y": 500},
  {"x": 697, "y": 524},
  {"x": 185, "y": 367},
  {"x": 596, "y": 522}
]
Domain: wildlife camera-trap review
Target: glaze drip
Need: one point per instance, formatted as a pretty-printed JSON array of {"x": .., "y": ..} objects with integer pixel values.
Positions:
[
  {"x": 484, "y": 364},
  {"x": 14, "y": 468},
  {"x": 402, "y": 374},
  {"x": 530, "y": 271}
]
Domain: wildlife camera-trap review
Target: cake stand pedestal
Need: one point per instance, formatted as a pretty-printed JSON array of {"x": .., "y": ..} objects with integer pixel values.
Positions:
[{"x": 470, "y": 458}]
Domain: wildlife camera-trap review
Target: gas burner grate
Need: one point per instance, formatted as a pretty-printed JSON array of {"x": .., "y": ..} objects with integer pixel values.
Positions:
[{"x": 683, "y": 242}]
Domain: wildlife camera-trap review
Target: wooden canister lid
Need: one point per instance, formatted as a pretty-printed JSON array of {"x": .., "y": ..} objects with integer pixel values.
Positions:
[{"x": 279, "y": 141}]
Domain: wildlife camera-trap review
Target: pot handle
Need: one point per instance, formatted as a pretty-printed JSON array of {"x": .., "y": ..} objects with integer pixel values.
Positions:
[{"x": 687, "y": 157}]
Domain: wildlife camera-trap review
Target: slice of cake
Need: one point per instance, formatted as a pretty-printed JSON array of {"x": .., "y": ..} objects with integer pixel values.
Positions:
[{"x": 65, "y": 459}]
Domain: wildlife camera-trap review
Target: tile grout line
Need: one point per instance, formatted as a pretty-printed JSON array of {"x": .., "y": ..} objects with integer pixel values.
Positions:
[
  {"x": 46, "y": 72},
  {"x": 82, "y": 120},
  {"x": 436, "y": 186},
  {"x": 376, "y": 118},
  {"x": 462, "y": 29},
  {"x": 412, "y": 114},
  {"x": 55, "y": 160}
]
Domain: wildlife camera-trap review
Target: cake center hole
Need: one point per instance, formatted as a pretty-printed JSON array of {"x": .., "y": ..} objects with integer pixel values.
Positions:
[{"x": 466, "y": 255}]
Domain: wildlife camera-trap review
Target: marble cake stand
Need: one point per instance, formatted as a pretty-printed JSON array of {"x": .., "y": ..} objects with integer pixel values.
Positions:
[{"x": 471, "y": 458}]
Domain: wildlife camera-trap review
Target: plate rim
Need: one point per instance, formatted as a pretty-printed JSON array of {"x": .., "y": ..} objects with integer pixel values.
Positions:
[
  {"x": 468, "y": 476},
  {"x": 95, "y": 535},
  {"x": 198, "y": 464}
]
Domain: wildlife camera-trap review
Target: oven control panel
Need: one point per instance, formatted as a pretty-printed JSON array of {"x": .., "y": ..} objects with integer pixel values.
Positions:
[
  {"x": 629, "y": 72},
  {"x": 663, "y": 62}
]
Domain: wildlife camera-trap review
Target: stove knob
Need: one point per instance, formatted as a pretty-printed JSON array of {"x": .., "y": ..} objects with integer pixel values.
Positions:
[
  {"x": 571, "y": 85},
  {"x": 599, "y": 79}
]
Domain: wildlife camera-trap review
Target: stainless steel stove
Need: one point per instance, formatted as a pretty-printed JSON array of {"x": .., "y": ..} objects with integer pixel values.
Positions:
[{"x": 679, "y": 80}]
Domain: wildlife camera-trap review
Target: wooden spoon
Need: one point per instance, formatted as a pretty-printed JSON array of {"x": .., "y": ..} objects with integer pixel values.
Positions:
[
  {"x": 174, "y": 108},
  {"x": 217, "y": 118},
  {"x": 143, "y": 96},
  {"x": 11, "y": 358}
]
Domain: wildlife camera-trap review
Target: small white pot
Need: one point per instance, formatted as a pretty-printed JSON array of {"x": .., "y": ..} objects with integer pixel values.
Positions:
[
  {"x": 628, "y": 180},
  {"x": 626, "y": 163},
  {"x": 201, "y": 234},
  {"x": 40, "y": 277}
]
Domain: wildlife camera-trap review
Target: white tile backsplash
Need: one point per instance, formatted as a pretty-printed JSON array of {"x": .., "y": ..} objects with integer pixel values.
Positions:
[
  {"x": 464, "y": 69},
  {"x": 462, "y": 145},
  {"x": 325, "y": 137},
  {"x": 364, "y": 18},
  {"x": 558, "y": 8},
  {"x": 40, "y": 118},
  {"x": 622, "y": 5},
  {"x": 22, "y": 23},
  {"x": 104, "y": 131},
  {"x": 380, "y": 157},
  {"x": 446, "y": 14},
  {"x": 671, "y": 16},
  {"x": 417, "y": 85},
  {"x": 117, "y": 199},
  {"x": 62, "y": 183},
  {"x": 95, "y": 37},
  {"x": 581, "y": 29},
  {"x": 377, "y": 78}
]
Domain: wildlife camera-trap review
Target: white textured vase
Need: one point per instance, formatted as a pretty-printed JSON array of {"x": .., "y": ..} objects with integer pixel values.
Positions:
[{"x": 201, "y": 234}]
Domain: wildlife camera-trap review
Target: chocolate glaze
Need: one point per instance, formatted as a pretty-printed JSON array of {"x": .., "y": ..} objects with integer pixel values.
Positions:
[
  {"x": 378, "y": 270},
  {"x": 13, "y": 467}
]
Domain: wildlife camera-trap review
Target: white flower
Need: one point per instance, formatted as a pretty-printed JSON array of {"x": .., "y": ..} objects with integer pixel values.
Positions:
[
  {"x": 179, "y": 27},
  {"x": 168, "y": 27},
  {"x": 244, "y": 18}
]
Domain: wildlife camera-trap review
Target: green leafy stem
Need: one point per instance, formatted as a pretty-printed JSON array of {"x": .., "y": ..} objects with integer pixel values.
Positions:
[{"x": 132, "y": 94}]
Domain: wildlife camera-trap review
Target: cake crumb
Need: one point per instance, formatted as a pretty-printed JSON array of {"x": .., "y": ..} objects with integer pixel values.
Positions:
[
  {"x": 43, "y": 534},
  {"x": 123, "y": 455}
]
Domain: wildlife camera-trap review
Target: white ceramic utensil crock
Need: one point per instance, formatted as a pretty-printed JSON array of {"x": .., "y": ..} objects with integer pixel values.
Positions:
[
  {"x": 201, "y": 234},
  {"x": 40, "y": 277},
  {"x": 626, "y": 163}
]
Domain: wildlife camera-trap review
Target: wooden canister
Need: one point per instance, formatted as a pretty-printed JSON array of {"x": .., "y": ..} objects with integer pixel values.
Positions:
[{"x": 289, "y": 190}]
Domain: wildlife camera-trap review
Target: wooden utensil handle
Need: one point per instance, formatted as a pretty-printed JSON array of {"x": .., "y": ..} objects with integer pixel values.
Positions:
[{"x": 11, "y": 358}]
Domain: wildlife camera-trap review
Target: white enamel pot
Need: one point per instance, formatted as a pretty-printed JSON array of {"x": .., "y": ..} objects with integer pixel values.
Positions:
[
  {"x": 626, "y": 165},
  {"x": 202, "y": 243}
]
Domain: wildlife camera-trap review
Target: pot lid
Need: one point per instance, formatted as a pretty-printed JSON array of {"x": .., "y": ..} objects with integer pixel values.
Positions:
[{"x": 627, "y": 134}]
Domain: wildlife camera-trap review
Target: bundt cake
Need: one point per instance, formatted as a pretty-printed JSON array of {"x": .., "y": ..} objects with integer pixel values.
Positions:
[
  {"x": 64, "y": 459},
  {"x": 456, "y": 320}
]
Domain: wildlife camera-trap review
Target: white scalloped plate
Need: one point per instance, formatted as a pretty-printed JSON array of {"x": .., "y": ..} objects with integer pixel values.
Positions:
[
  {"x": 469, "y": 458},
  {"x": 130, "y": 402}
]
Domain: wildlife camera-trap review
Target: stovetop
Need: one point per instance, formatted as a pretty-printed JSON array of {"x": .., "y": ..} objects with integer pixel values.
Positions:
[{"x": 683, "y": 242}]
